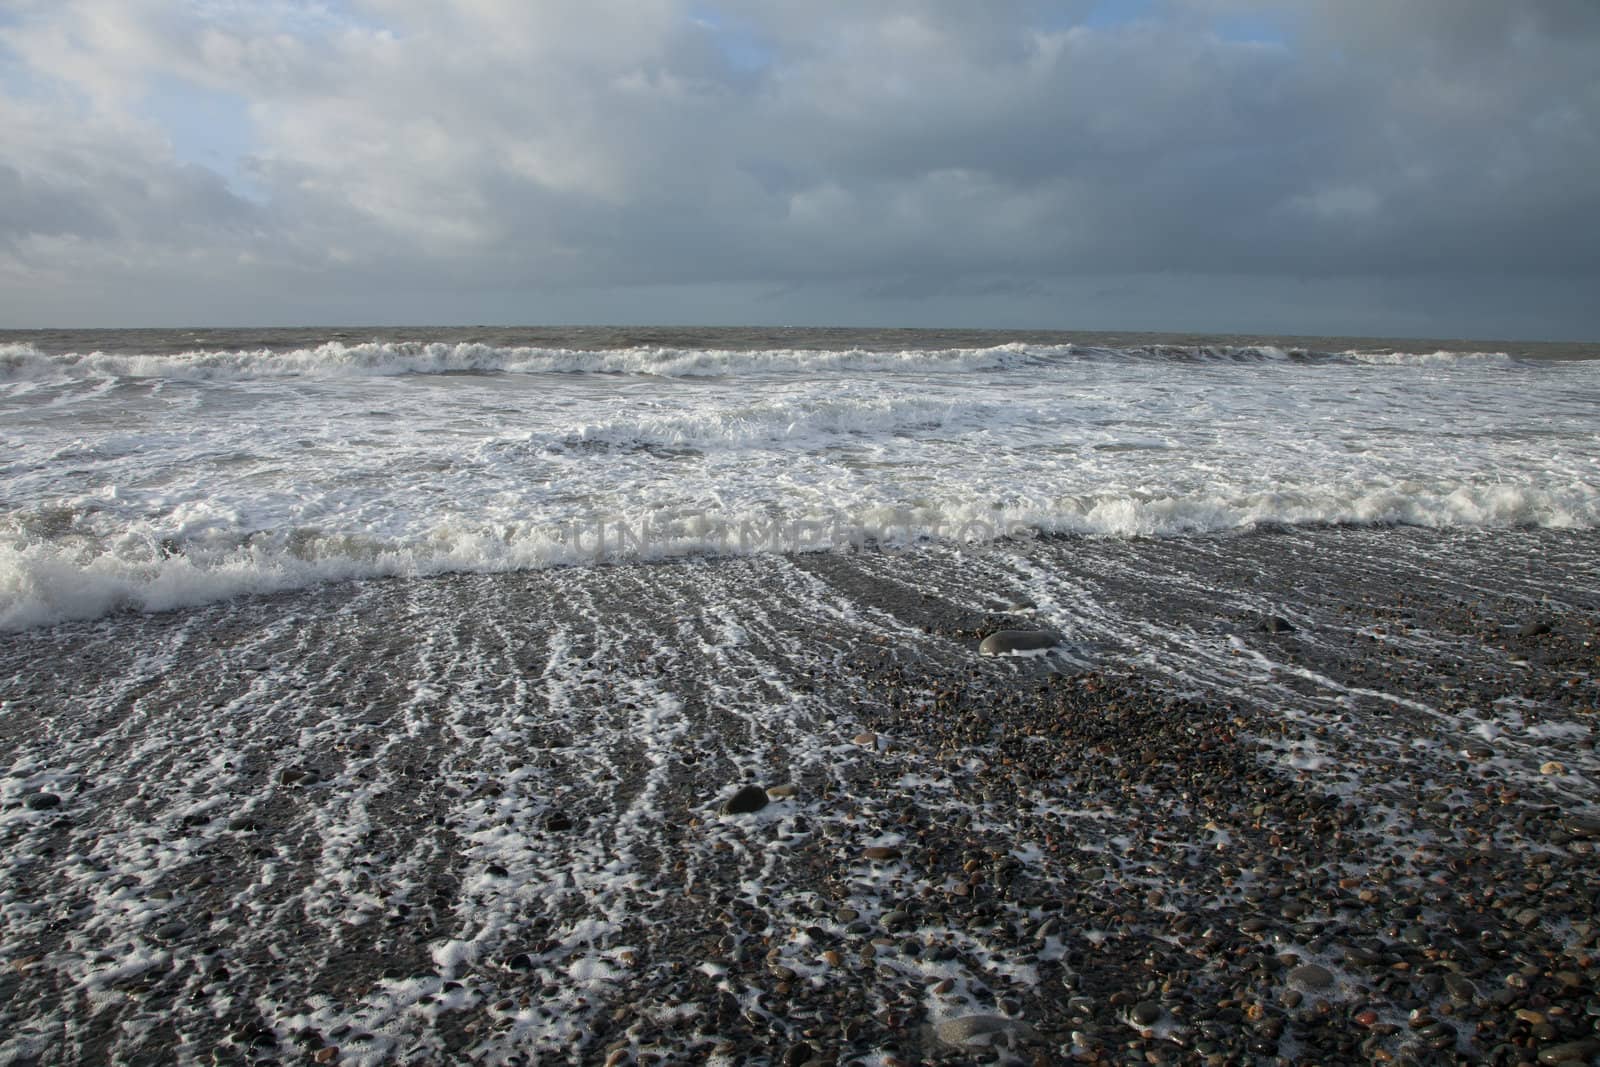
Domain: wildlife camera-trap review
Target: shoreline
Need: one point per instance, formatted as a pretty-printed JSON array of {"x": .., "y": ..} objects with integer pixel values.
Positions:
[{"x": 411, "y": 819}]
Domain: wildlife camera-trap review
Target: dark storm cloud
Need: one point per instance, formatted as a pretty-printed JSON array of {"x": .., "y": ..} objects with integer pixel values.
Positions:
[{"x": 898, "y": 150}]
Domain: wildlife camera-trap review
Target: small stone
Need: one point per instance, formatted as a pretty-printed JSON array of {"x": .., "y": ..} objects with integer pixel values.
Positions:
[
  {"x": 1582, "y": 825},
  {"x": 881, "y": 853},
  {"x": 1312, "y": 976},
  {"x": 494, "y": 870},
  {"x": 1580, "y": 1051},
  {"x": 1006, "y": 641},
  {"x": 749, "y": 798},
  {"x": 868, "y": 739},
  {"x": 326, "y": 1055},
  {"x": 896, "y": 918},
  {"x": 43, "y": 801},
  {"x": 779, "y": 792},
  {"x": 1534, "y": 628},
  {"x": 1552, "y": 767},
  {"x": 1275, "y": 624},
  {"x": 968, "y": 1027},
  {"x": 1146, "y": 1012},
  {"x": 557, "y": 821}
]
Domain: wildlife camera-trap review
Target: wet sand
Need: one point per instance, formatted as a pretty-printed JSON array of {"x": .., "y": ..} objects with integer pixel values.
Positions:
[{"x": 1302, "y": 796}]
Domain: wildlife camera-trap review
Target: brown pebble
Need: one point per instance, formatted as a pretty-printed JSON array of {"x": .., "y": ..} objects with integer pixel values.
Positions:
[
  {"x": 326, "y": 1055},
  {"x": 881, "y": 852}
]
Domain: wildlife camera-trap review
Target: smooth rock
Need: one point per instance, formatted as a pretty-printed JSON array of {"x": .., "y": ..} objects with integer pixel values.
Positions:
[
  {"x": 778, "y": 792},
  {"x": 1536, "y": 628},
  {"x": 749, "y": 798},
  {"x": 1275, "y": 624},
  {"x": 1580, "y": 1051},
  {"x": 43, "y": 801},
  {"x": 881, "y": 852},
  {"x": 1146, "y": 1012},
  {"x": 1312, "y": 976},
  {"x": 961, "y": 1031},
  {"x": 1582, "y": 825},
  {"x": 1005, "y": 641}
]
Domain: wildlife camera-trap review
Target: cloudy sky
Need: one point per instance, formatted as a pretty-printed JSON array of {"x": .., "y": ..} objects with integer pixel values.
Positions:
[{"x": 1399, "y": 167}]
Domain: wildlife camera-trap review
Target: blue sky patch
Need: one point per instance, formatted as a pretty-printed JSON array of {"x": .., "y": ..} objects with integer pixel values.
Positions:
[{"x": 208, "y": 128}]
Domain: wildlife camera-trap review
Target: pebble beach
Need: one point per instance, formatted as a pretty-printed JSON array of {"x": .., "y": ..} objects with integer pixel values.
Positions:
[{"x": 1293, "y": 795}]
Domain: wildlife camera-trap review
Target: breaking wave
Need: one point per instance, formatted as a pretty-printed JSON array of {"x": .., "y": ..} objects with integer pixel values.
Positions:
[{"x": 24, "y": 361}]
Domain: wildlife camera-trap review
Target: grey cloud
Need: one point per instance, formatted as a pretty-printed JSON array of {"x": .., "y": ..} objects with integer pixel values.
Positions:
[{"x": 904, "y": 150}]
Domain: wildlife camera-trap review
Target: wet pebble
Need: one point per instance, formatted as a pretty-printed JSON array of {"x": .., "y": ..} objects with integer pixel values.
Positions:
[
  {"x": 1018, "y": 641},
  {"x": 748, "y": 799},
  {"x": 1581, "y": 1051},
  {"x": 1312, "y": 977}
]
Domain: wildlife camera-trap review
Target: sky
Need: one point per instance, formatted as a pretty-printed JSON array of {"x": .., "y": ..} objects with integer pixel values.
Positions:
[{"x": 1354, "y": 167}]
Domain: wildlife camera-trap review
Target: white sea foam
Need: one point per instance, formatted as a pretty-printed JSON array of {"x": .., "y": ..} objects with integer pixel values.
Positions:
[
  {"x": 338, "y": 359},
  {"x": 388, "y": 359},
  {"x": 162, "y": 481},
  {"x": 43, "y": 582}
]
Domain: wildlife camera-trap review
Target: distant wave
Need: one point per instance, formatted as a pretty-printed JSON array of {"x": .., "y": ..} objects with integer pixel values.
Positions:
[
  {"x": 45, "y": 580},
  {"x": 24, "y": 362}
]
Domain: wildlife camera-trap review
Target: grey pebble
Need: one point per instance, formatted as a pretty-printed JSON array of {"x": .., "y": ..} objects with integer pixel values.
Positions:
[
  {"x": 1311, "y": 976},
  {"x": 1018, "y": 641}
]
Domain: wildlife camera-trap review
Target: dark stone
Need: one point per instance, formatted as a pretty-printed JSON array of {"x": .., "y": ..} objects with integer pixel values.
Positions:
[
  {"x": 1311, "y": 976},
  {"x": 1146, "y": 1012},
  {"x": 494, "y": 870},
  {"x": 1275, "y": 624},
  {"x": 558, "y": 822},
  {"x": 1018, "y": 641},
  {"x": 1570, "y": 1051},
  {"x": 520, "y": 962},
  {"x": 1537, "y": 628},
  {"x": 749, "y": 798},
  {"x": 1582, "y": 825},
  {"x": 43, "y": 801}
]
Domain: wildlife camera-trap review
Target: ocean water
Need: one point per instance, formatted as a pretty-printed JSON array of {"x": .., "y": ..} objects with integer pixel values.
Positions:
[
  {"x": 153, "y": 470},
  {"x": 254, "y": 808}
]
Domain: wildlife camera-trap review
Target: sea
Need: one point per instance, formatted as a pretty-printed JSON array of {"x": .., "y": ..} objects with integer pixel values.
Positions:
[
  {"x": 378, "y": 696},
  {"x": 153, "y": 470}
]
